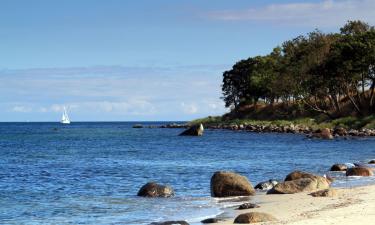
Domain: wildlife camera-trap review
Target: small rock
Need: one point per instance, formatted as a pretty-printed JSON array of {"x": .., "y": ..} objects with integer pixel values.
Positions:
[
  {"x": 180, "y": 222},
  {"x": 360, "y": 171},
  {"x": 210, "y": 220},
  {"x": 266, "y": 185},
  {"x": 254, "y": 217},
  {"x": 227, "y": 184},
  {"x": 325, "y": 193},
  {"x": 339, "y": 167},
  {"x": 137, "y": 126},
  {"x": 248, "y": 206},
  {"x": 152, "y": 189}
]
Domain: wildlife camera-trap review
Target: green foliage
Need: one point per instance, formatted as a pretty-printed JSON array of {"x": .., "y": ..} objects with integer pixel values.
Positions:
[{"x": 317, "y": 71}]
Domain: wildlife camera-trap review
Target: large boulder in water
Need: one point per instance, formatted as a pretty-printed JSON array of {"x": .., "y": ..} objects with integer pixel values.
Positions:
[
  {"x": 196, "y": 130},
  {"x": 339, "y": 167},
  {"x": 360, "y": 171},
  {"x": 254, "y": 217},
  {"x": 300, "y": 185},
  {"x": 153, "y": 189},
  {"x": 227, "y": 184},
  {"x": 371, "y": 161}
]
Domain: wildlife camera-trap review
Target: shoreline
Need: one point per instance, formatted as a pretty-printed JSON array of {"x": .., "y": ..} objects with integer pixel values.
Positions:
[
  {"x": 350, "y": 206},
  {"x": 272, "y": 128}
]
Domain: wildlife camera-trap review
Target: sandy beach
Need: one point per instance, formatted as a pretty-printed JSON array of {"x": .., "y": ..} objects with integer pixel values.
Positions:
[{"x": 350, "y": 206}]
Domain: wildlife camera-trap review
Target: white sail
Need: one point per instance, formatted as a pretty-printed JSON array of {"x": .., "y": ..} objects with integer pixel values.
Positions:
[{"x": 65, "y": 118}]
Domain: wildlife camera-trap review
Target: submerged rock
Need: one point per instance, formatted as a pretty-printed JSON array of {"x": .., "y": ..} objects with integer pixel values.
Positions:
[
  {"x": 179, "y": 222},
  {"x": 248, "y": 206},
  {"x": 339, "y": 167},
  {"x": 254, "y": 217},
  {"x": 210, "y": 220},
  {"x": 360, "y": 171},
  {"x": 153, "y": 189},
  {"x": 227, "y": 184},
  {"x": 196, "y": 130},
  {"x": 266, "y": 185},
  {"x": 325, "y": 193}
]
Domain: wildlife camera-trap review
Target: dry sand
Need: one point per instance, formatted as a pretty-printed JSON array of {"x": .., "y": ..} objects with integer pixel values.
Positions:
[{"x": 351, "y": 206}]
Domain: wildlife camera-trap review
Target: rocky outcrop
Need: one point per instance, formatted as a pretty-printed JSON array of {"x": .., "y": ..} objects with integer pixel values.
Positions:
[
  {"x": 340, "y": 131},
  {"x": 360, "y": 171},
  {"x": 300, "y": 185},
  {"x": 180, "y": 222},
  {"x": 339, "y": 167},
  {"x": 325, "y": 193},
  {"x": 371, "y": 161},
  {"x": 266, "y": 185},
  {"x": 248, "y": 206},
  {"x": 254, "y": 217},
  {"x": 196, "y": 130},
  {"x": 153, "y": 189},
  {"x": 227, "y": 184}
]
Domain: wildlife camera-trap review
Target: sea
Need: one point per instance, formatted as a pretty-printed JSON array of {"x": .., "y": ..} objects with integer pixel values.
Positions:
[{"x": 90, "y": 172}]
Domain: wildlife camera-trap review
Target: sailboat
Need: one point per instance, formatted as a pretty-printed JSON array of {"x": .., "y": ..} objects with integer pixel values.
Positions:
[{"x": 65, "y": 118}]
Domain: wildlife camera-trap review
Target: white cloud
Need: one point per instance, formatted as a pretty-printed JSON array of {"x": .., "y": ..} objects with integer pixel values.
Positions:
[
  {"x": 325, "y": 13},
  {"x": 22, "y": 109},
  {"x": 189, "y": 108}
]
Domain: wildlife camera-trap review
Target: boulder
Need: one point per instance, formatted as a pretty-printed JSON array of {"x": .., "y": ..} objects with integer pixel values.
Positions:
[
  {"x": 137, "y": 126},
  {"x": 152, "y": 189},
  {"x": 339, "y": 167},
  {"x": 227, "y": 184},
  {"x": 298, "y": 175},
  {"x": 371, "y": 161},
  {"x": 325, "y": 193},
  {"x": 300, "y": 185},
  {"x": 325, "y": 133},
  {"x": 210, "y": 220},
  {"x": 180, "y": 222},
  {"x": 248, "y": 206},
  {"x": 254, "y": 217},
  {"x": 266, "y": 185},
  {"x": 360, "y": 171},
  {"x": 196, "y": 130}
]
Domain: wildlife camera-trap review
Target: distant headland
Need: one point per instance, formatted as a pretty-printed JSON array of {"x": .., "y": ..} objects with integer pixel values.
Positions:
[{"x": 319, "y": 80}]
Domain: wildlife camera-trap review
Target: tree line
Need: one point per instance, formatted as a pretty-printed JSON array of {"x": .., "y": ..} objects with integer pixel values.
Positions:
[{"x": 319, "y": 71}]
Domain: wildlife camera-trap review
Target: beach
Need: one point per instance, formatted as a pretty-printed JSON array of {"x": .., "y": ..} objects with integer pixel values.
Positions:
[{"x": 350, "y": 206}]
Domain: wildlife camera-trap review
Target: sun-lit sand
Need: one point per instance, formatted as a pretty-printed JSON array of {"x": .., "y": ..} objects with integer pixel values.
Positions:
[{"x": 351, "y": 206}]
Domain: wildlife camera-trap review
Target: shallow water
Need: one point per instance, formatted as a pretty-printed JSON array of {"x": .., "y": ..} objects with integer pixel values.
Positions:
[{"x": 89, "y": 173}]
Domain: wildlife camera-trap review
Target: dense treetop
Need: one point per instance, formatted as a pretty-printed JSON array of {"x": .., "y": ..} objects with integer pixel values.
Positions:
[{"x": 320, "y": 72}]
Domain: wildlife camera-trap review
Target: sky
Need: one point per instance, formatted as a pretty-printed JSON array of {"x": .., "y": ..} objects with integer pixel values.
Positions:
[{"x": 122, "y": 60}]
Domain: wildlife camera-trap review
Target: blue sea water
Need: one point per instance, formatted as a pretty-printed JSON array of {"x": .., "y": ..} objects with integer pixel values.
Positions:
[{"x": 89, "y": 173}]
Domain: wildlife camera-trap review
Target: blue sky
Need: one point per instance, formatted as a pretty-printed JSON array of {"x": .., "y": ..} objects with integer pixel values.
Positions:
[{"x": 142, "y": 60}]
